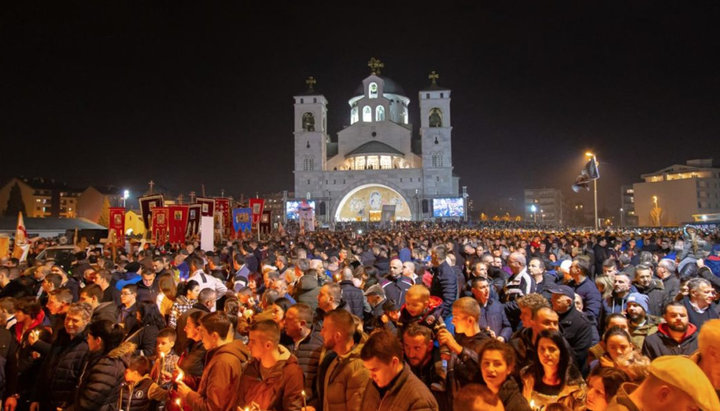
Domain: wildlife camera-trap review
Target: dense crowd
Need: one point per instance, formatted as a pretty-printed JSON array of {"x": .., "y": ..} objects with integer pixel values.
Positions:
[{"x": 410, "y": 317}]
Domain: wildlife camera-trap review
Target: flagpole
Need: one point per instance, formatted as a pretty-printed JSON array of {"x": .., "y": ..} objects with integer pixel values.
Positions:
[{"x": 589, "y": 154}]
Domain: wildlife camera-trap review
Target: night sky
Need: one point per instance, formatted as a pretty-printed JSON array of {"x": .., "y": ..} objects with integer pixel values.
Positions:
[{"x": 121, "y": 92}]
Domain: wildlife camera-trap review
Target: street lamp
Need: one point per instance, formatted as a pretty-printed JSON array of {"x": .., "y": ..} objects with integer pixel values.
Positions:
[
  {"x": 534, "y": 211},
  {"x": 126, "y": 195},
  {"x": 621, "y": 216},
  {"x": 591, "y": 155}
]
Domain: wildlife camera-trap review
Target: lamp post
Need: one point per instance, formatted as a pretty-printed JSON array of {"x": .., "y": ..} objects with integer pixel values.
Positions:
[
  {"x": 621, "y": 216},
  {"x": 589, "y": 154},
  {"x": 126, "y": 195},
  {"x": 534, "y": 211}
]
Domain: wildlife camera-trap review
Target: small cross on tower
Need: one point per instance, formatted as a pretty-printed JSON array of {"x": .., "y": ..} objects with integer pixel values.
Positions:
[
  {"x": 375, "y": 66},
  {"x": 433, "y": 77},
  {"x": 151, "y": 184},
  {"x": 311, "y": 83},
  {"x": 192, "y": 197},
  {"x": 180, "y": 199}
]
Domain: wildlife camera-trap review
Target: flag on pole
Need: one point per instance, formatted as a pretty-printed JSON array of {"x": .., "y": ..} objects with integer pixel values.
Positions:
[
  {"x": 21, "y": 239},
  {"x": 589, "y": 173}
]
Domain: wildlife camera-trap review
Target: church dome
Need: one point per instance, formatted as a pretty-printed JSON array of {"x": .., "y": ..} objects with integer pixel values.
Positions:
[{"x": 390, "y": 87}]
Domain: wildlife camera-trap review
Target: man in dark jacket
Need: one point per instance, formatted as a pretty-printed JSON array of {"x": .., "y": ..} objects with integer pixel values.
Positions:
[
  {"x": 652, "y": 288},
  {"x": 393, "y": 386},
  {"x": 92, "y": 295},
  {"x": 307, "y": 288},
  {"x": 395, "y": 284},
  {"x": 272, "y": 379},
  {"x": 444, "y": 283},
  {"x": 585, "y": 288},
  {"x": 464, "y": 364},
  {"x": 353, "y": 296},
  {"x": 677, "y": 336},
  {"x": 305, "y": 343},
  {"x": 601, "y": 253},
  {"x": 574, "y": 326},
  {"x": 423, "y": 358},
  {"x": 492, "y": 313},
  {"x": 64, "y": 360},
  {"x": 700, "y": 301}
]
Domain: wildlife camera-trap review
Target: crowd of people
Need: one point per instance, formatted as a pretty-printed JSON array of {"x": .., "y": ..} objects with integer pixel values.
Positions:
[{"x": 409, "y": 317}]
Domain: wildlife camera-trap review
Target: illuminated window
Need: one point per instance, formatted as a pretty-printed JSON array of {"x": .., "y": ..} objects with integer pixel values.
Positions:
[
  {"x": 385, "y": 162},
  {"x": 373, "y": 90},
  {"x": 359, "y": 163},
  {"x": 379, "y": 113},
  {"x": 367, "y": 114},
  {"x": 354, "y": 117},
  {"x": 373, "y": 162}
]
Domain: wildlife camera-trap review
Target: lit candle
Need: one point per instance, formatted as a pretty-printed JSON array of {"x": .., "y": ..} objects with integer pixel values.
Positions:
[
  {"x": 162, "y": 366},
  {"x": 178, "y": 402},
  {"x": 180, "y": 376},
  {"x": 304, "y": 399}
]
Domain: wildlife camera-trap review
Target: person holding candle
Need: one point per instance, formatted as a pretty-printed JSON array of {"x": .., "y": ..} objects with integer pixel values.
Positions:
[
  {"x": 554, "y": 376},
  {"x": 220, "y": 383},
  {"x": 272, "y": 379}
]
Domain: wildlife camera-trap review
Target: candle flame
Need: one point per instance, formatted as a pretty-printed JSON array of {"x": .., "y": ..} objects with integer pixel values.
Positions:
[
  {"x": 302, "y": 393},
  {"x": 180, "y": 376},
  {"x": 162, "y": 355},
  {"x": 178, "y": 402}
]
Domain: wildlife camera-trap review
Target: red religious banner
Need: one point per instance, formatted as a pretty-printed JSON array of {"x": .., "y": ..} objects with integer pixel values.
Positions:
[
  {"x": 207, "y": 206},
  {"x": 256, "y": 205},
  {"x": 147, "y": 203},
  {"x": 178, "y": 223},
  {"x": 117, "y": 223},
  {"x": 266, "y": 222},
  {"x": 222, "y": 207},
  {"x": 160, "y": 224}
]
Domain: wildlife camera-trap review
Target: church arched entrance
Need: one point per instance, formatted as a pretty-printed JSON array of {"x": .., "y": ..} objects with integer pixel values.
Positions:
[{"x": 365, "y": 203}]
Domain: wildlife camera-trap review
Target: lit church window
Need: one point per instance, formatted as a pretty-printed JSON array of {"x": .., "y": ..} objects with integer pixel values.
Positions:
[
  {"x": 373, "y": 90},
  {"x": 367, "y": 114},
  {"x": 379, "y": 113}
]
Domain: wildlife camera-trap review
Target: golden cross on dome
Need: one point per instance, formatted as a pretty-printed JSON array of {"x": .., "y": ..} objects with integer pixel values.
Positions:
[
  {"x": 433, "y": 77},
  {"x": 310, "y": 82},
  {"x": 375, "y": 65}
]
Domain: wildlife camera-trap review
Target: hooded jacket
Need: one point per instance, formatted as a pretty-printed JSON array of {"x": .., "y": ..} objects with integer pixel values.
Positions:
[
  {"x": 661, "y": 343},
  {"x": 344, "y": 380},
  {"x": 220, "y": 383},
  {"x": 279, "y": 389},
  {"x": 405, "y": 393},
  {"x": 307, "y": 290},
  {"x": 100, "y": 383},
  {"x": 430, "y": 317},
  {"x": 657, "y": 297}
]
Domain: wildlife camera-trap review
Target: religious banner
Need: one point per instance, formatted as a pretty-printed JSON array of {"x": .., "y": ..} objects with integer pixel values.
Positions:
[
  {"x": 4, "y": 246},
  {"x": 207, "y": 206},
  {"x": 147, "y": 203},
  {"x": 160, "y": 224},
  {"x": 193, "y": 223},
  {"x": 266, "y": 222},
  {"x": 242, "y": 219},
  {"x": 178, "y": 223},
  {"x": 117, "y": 224},
  {"x": 306, "y": 216},
  {"x": 222, "y": 208},
  {"x": 22, "y": 246},
  {"x": 257, "y": 205}
]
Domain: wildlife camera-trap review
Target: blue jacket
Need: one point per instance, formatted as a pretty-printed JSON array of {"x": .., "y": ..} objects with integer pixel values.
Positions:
[
  {"x": 493, "y": 316},
  {"x": 592, "y": 300},
  {"x": 444, "y": 285},
  {"x": 395, "y": 289}
]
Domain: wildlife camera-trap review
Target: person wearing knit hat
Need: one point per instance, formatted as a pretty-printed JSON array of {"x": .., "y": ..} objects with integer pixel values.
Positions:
[
  {"x": 639, "y": 299},
  {"x": 674, "y": 383}
]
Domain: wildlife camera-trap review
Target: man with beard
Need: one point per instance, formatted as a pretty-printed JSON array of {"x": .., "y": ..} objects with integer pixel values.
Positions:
[
  {"x": 677, "y": 336},
  {"x": 652, "y": 288},
  {"x": 341, "y": 375},
  {"x": 492, "y": 313},
  {"x": 423, "y": 357},
  {"x": 640, "y": 323}
]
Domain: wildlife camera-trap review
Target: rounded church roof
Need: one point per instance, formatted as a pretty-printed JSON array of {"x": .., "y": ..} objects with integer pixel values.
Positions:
[{"x": 390, "y": 86}]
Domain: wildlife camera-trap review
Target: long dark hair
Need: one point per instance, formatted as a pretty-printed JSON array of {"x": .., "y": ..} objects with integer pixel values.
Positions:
[
  {"x": 565, "y": 357},
  {"x": 150, "y": 314},
  {"x": 184, "y": 286},
  {"x": 109, "y": 332}
]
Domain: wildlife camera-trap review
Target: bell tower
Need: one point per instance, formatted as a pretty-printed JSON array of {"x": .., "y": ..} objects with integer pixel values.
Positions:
[{"x": 435, "y": 135}]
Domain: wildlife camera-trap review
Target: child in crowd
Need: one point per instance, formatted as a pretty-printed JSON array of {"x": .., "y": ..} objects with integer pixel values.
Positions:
[{"x": 134, "y": 394}]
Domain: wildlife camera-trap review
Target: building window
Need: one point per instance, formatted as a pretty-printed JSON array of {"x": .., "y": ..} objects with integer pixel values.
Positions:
[
  {"x": 373, "y": 90},
  {"x": 367, "y": 114},
  {"x": 435, "y": 118},
  {"x": 379, "y": 113},
  {"x": 373, "y": 163},
  {"x": 308, "y": 164},
  {"x": 385, "y": 162},
  {"x": 308, "y": 122},
  {"x": 354, "y": 117},
  {"x": 437, "y": 160}
]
